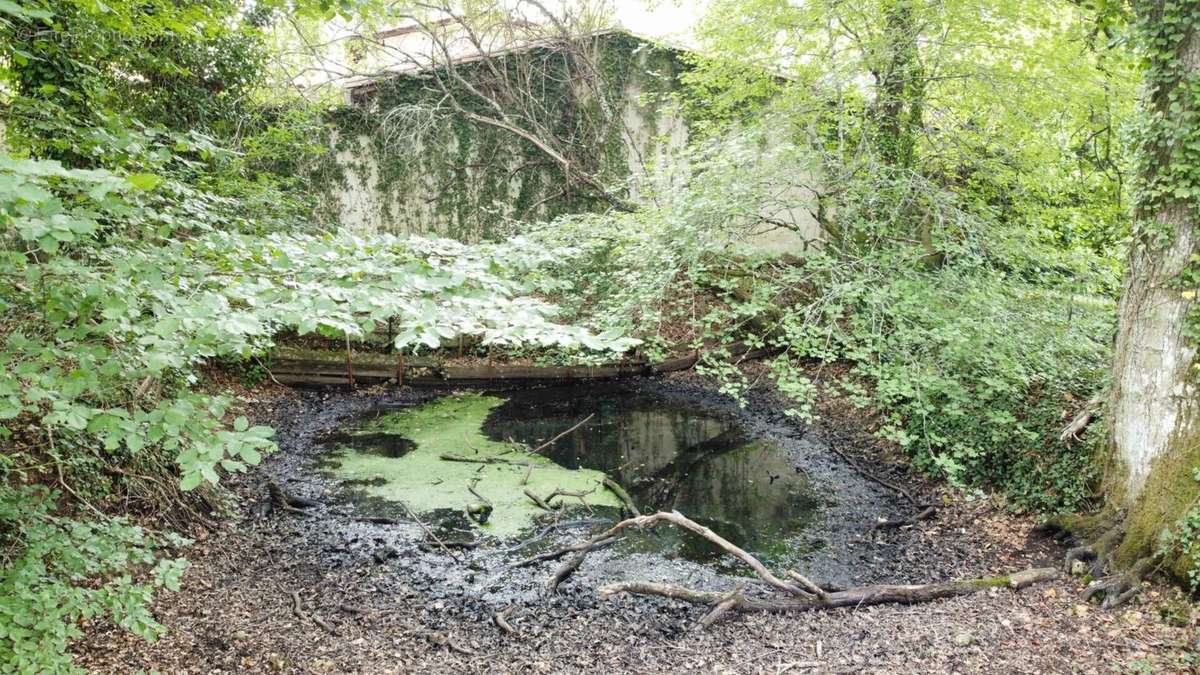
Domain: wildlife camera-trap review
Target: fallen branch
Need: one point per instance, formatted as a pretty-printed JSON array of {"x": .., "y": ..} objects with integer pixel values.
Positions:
[
  {"x": 1081, "y": 421},
  {"x": 894, "y": 523},
  {"x": 451, "y": 457},
  {"x": 538, "y": 500},
  {"x": 809, "y": 596},
  {"x": 679, "y": 520},
  {"x": 299, "y": 613},
  {"x": 324, "y": 625},
  {"x": 471, "y": 487},
  {"x": 894, "y": 487},
  {"x": 731, "y": 600},
  {"x": 854, "y": 597},
  {"x": 577, "y": 494},
  {"x": 621, "y": 494},
  {"x": 550, "y": 442},
  {"x": 550, "y": 528},
  {"x": 501, "y": 619},
  {"x": 567, "y": 569},
  {"x": 590, "y": 545},
  {"x": 429, "y": 533}
]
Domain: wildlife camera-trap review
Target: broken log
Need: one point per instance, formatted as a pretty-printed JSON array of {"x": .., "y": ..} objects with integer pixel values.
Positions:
[{"x": 332, "y": 369}]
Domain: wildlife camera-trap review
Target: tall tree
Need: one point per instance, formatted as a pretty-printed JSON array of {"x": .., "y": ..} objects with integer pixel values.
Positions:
[
  {"x": 899, "y": 85},
  {"x": 1154, "y": 446}
]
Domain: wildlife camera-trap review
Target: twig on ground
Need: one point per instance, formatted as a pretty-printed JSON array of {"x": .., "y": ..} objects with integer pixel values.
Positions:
[
  {"x": 889, "y": 524},
  {"x": 429, "y": 533},
  {"x": 559, "y": 492},
  {"x": 451, "y": 457},
  {"x": 538, "y": 500},
  {"x": 501, "y": 619}
]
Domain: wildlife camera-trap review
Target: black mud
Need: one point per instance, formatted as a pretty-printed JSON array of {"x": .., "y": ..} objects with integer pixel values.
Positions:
[{"x": 836, "y": 543}]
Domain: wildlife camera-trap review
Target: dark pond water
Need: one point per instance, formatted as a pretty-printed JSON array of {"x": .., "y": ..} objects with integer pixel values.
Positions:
[
  {"x": 670, "y": 451},
  {"x": 670, "y": 454}
]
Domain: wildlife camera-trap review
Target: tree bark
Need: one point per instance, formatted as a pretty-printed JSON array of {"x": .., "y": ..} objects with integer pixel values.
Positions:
[
  {"x": 1154, "y": 440},
  {"x": 899, "y": 87}
]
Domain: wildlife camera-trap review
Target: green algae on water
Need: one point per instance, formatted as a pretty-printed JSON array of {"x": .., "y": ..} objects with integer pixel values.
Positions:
[{"x": 425, "y": 482}]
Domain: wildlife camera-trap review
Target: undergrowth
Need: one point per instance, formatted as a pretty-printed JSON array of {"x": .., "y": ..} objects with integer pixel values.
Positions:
[{"x": 975, "y": 364}]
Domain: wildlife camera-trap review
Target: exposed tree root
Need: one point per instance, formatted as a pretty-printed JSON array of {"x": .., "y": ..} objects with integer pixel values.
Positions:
[
  {"x": 1117, "y": 589},
  {"x": 1095, "y": 556},
  {"x": 1102, "y": 534},
  {"x": 787, "y": 597}
]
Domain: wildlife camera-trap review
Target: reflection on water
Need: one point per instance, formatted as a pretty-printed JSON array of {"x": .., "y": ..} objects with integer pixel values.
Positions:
[{"x": 669, "y": 457}]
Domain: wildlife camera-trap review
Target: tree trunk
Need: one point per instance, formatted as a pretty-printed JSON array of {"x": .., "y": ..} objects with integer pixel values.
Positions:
[
  {"x": 1154, "y": 409},
  {"x": 899, "y": 87}
]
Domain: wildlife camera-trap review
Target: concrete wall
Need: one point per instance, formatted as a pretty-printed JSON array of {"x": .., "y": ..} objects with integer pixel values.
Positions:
[{"x": 489, "y": 185}]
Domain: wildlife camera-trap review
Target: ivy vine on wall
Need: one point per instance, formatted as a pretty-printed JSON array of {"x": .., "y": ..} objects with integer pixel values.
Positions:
[{"x": 418, "y": 167}]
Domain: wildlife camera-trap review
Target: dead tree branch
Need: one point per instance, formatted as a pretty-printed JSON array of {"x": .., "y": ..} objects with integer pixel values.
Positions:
[
  {"x": 902, "y": 594},
  {"x": 787, "y": 598}
]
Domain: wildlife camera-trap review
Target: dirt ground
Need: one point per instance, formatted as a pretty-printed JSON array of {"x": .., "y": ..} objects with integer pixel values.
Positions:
[{"x": 361, "y": 612}]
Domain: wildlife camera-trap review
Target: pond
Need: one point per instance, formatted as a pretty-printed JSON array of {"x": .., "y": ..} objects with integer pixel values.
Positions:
[{"x": 440, "y": 459}]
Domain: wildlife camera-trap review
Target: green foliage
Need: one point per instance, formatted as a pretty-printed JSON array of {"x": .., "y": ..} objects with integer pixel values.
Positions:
[
  {"x": 57, "y": 572},
  {"x": 111, "y": 301},
  {"x": 1014, "y": 108},
  {"x": 972, "y": 368},
  {"x": 83, "y": 70},
  {"x": 972, "y": 364}
]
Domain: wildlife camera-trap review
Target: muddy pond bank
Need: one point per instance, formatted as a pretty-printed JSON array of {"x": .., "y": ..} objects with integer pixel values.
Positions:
[
  {"x": 760, "y": 479},
  {"x": 418, "y": 611}
]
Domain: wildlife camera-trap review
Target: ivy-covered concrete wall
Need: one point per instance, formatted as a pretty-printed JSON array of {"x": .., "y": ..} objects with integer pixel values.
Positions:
[{"x": 460, "y": 179}]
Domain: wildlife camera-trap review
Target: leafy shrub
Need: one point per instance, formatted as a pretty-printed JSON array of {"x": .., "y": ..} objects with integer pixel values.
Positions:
[
  {"x": 973, "y": 356},
  {"x": 57, "y": 572}
]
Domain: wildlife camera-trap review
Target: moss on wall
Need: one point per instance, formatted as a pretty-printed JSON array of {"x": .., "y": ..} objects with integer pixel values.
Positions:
[{"x": 469, "y": 181}]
